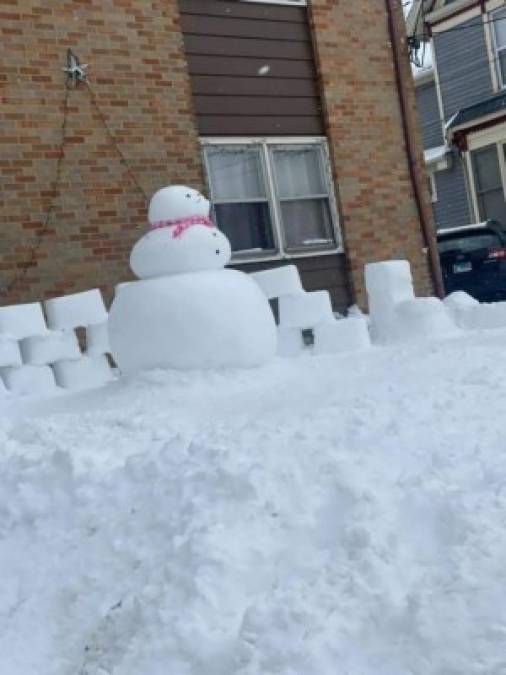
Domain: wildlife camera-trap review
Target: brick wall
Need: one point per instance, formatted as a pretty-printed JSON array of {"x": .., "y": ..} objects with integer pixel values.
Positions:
[
  {"x": 379, "y": 215},
  {"x": 138, "y": 72}
]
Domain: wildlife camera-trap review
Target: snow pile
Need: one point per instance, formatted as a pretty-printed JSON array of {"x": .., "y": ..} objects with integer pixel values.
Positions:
[
  {"x": 334, "y": 514},
  {"x": 396, "y": 314}
]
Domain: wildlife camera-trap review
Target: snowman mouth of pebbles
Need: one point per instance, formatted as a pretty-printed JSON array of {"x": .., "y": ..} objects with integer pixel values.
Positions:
[{"x": 182, "y": 238}]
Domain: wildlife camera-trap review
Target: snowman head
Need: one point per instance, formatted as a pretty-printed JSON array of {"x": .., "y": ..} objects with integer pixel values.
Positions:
[
  {"x": 175, "y": 203},
  {"x": 182, "y": 238}
]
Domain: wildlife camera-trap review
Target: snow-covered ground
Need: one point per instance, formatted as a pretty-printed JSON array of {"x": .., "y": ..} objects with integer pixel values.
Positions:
[{"x": 319, "y": 516}]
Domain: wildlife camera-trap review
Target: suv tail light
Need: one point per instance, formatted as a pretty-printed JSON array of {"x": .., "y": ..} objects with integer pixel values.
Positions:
[{"x": 497, "y": 254}]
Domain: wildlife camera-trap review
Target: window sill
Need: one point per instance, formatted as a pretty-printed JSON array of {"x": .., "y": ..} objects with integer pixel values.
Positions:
[{"x": 276, "y": 257}]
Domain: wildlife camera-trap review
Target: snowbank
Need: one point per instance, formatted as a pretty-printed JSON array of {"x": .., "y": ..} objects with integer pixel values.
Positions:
[{"x": 333, "y": 514}]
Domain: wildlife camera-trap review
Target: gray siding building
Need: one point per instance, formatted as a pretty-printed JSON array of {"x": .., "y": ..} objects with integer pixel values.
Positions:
[{"x": 461, "y": 101}]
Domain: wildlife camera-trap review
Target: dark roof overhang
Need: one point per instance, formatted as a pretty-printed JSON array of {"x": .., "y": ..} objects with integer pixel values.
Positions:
[{"x": 474, "y": 118}]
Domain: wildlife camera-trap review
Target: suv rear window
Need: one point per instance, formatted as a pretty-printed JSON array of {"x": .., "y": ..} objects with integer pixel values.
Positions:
[{"x": 470, "y": 241}]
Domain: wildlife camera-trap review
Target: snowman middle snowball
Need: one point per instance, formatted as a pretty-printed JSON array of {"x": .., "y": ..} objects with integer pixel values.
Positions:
[{"x": 187, "y": 311}]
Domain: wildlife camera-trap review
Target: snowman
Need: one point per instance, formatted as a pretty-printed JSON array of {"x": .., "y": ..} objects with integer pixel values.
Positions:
[{"x": 187, "y": 311}]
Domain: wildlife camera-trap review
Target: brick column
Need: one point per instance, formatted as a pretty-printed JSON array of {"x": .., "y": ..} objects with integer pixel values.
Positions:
[
  {"x": 379, "y": 216},
  {"x": 138, "y": 72}
]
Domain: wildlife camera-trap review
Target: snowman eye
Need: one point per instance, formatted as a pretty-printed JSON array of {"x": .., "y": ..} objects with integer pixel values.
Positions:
[
  {"x": 188, "y": 196},
  {"x": 214, "y": 234}
]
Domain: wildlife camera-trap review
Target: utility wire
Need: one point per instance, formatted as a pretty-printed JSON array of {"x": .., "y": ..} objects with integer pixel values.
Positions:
[
  {"x": 43, "y": 231},
  {"x": 52, "y": 204},
  {"x": 114, "y": 143}
]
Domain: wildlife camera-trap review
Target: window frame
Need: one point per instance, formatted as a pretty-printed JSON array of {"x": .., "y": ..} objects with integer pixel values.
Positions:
[
  {"x": 266, "y": 142},
  {"x": 496, "y": 64},
  {"x": 293, "y": 3},
  {"x": 494, "y": 136}
]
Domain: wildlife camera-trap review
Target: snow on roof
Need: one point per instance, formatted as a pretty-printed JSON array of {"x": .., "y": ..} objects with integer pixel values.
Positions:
[{"x": 435, "y": 154}]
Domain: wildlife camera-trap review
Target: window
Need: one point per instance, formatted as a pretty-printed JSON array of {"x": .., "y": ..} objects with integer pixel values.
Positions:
[
  {"x": 272, "y": 198},
  {"x": 488, "y": 183},
  {"x": 499, "y": 32}
]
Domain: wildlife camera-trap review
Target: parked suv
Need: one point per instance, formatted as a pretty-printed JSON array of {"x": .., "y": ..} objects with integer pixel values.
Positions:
[{"x": 473, "y": 259}]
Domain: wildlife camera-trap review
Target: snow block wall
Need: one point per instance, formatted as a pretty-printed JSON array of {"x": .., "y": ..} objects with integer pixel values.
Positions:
[
  {"x": 306, "y": 320},
  {"x": 395, "y": 313},
  {"x": 39, "y": 356}
]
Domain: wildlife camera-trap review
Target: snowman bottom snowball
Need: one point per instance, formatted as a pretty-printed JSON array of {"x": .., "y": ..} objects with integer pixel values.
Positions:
[{"x": 203, "y": 320}]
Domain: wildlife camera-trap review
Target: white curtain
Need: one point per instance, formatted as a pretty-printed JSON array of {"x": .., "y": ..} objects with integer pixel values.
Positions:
[
  {"x": 236, "y": 173},
  {"x": 298, "y": 172}
]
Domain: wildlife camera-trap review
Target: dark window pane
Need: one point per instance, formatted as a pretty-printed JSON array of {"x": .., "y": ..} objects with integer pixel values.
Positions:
[
  {"x": 306, "y": 222},
  {"x": 470, "y": 242},
  {"x": 487, "y": 173},
  {"x": 248, "y": 226},
  {"x": 493, "y": 206},
  {"x": 502, "y": 65}
]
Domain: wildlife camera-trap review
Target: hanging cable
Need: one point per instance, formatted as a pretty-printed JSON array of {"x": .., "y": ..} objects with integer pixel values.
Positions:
[
  {"x": 42, "y": 232},
  {"x": 114, "y": 143}
]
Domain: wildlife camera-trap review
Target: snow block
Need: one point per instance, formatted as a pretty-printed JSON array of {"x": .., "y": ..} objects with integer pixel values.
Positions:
[
  {"x": 75, "y": 311},
  {"x": 345, "y": 335},
  {"x": 278, "y": 282},
  {"x": 46, "y": 349},
  {"x": 423, "y": 318},
  {"x": 9, "y": 352},
  {"x": 305, "y": 310},
  {"x": 83, "y": 373},
  {"x": 97, "y": 339},
  {"x": 387, "y": 284},
  {"x": 29, "y": 379},
  {"x": 290, "y": 342},
  {"x": 21, "y": 321},
  {"x": 484, "y": 316}
]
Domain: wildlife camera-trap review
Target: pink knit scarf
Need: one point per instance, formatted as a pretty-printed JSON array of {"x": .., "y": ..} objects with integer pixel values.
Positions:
[{"x": 182, "y": 224}]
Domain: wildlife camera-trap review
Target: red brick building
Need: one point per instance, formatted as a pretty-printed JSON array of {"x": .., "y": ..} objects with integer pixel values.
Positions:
[{"x": 289, "y": 114}]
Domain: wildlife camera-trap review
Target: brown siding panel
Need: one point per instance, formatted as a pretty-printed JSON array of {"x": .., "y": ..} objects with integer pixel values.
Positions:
[{"x": 229, "y": 46}]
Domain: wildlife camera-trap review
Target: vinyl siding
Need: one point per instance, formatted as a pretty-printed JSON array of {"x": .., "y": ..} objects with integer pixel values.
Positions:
[
  {"x": 463, "y": 66},
  {"x": 452, "y": 206},
  {"x": 252, "y": 68},
  {"x": 428, "y": 112}
]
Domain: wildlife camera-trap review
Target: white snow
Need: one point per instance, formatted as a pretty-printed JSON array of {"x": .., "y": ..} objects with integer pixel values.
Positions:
[
  {"x": 345, "y": 335},
  {"x": 20, "y": 321},
  {"x": 76, "y": 310},
  {"x": 159, "y": 254},
  {"x": 202, "y": 320},
  {"x": 305, "y": 310},
  {"x": 45, "y": 349},
  {"x": 97, "y": 339},
  {"x": 9, "y": 351},
  {"x": 290, "y": 341},
  {"x": 29, "y": 379},
  {"x": 83, "y": 373},
  {"x": 436, "y": 154},
  {"x": 323, "y": 515},
  {"x": 396, "y": 315},
  {"x": 279, "y": 281}
]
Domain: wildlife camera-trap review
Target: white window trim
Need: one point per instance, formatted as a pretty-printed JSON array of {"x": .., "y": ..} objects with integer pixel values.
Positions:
[
  {"x": 494, "y": 136},
  {"x": 495, "y": 68},
  {"x": 281, "y": 254},
  {"x": 300, "y": 3}
]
